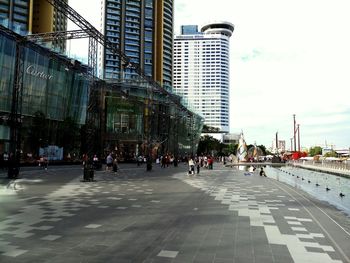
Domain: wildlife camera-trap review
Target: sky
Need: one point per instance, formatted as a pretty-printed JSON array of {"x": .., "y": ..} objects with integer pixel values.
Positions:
[{"x": 286, "y": 57}]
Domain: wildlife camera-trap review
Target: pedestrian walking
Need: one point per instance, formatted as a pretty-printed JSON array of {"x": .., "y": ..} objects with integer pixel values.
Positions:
[
  {"x": 190, "y": 166},
  {"x": 95, "y": 161},
  {"x": 115, "y": 165},
  {"x": 109, "y": 162}
]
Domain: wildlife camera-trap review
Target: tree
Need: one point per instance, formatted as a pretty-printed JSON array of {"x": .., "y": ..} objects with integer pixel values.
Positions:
[
  {"x": 331, "y": 154},
  {"x": 209, "y": 129},
  {"x": 315, "y": 151},
  {"x": 208, "y": 144},
  {"x": 230, "y": 149},
  {"x": 263, "y": 148}
]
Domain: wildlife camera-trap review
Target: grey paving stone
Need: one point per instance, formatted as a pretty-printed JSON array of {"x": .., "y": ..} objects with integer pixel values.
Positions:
[
  {"x": 204, "y": 257},
  {"x": 244, "y": 259},
  {"x": 315, "y": 249},
  {"x": 307, "y": 239},
  {"x": 279, "y": 249},
  {"x": 264, "y": 259},
  {"x": 137, "y": 235},
  {"x": 223, "y": 260},
  {"x": 182, "y": 259},
  {"x": 283, "y": 259},
  {"x": 224, "y": 252},
  {"x": 262, "y": 250}
]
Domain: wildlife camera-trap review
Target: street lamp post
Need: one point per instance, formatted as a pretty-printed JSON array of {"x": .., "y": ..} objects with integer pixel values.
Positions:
[
  {"x": 48, "y": 143},
  {"x": 149, "y": 113},
  {"x": 299, "y": 137},
  {"x": 294, "y": 131}
]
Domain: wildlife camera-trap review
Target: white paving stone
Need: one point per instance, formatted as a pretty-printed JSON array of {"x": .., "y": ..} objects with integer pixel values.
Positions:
[
  {"x": 293, "y": 209},
  {"x": 14, "y": 253},
  {"x": 93, "y": 226},
  {"x": 168, "y": 254},
  {"x": 300, "y": 229},
  {"x": 51, "y": 237},
  {"x": 294, "y": 223}
]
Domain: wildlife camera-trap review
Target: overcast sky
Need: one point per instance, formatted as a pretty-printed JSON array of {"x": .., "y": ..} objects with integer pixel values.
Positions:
[{"x": 287, "y": 57}]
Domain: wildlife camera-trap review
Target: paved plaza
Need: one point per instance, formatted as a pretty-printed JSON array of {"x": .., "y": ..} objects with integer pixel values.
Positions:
[{"x": 221, "y": 215}]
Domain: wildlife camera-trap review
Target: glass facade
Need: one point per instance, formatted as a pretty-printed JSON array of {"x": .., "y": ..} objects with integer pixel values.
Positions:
[
  {"x": 7, "y": 69},
  {"x": 149, "y": 125},
  {"x": 124, "y": 117},
  {"x": 53, "y": 91},
  {"x": 50, "y": 87},
  {"x": 130, "y": 117}
]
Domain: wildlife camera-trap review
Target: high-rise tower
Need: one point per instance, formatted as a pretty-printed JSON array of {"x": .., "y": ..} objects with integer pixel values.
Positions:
[
  {"x": 201, "y": 71},
  {"x": 47, "y": 19},
  {"x": 143, "y": 30},
  {"x": 33, "y": 16},
  {"x": 17, "y": 15}
]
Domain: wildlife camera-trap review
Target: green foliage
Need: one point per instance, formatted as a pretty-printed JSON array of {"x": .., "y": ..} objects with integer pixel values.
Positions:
[
  {"x": 208, "y": 144},
  {"x": 315, "y": 151},
  {"x": 263, "y": 148},
  {"x": 209, "y": 129},
  {"x": 230, "y": 149},
  {"x": 331, "y": 154}
]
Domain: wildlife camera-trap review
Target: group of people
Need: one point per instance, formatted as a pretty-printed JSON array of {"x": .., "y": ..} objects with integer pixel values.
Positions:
[
  {"x": 112, "y": 162},
  {"x": 261, "y": 172},
  {"x": 95, "y": 163},
  {"x": 198, "y": 162},
  {"x": 166, "y": 160}
]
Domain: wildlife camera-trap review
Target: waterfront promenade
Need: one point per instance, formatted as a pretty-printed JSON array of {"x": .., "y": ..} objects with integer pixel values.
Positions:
[
  {"x": 339, "y": 169},
  {"x": 222, "y": 215}
]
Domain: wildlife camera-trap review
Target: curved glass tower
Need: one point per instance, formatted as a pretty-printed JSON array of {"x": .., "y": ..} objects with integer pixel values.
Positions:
[{"x": 201, "y": 71}]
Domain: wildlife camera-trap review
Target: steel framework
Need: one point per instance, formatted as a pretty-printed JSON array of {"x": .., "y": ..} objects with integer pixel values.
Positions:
[
  {"x": 96, "y": 92},
  {"x": 50, "y": 36},
  {"x": 82, "y": 23}
]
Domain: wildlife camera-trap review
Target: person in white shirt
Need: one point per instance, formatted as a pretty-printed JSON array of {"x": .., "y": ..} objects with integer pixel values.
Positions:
[{"x": 191, "y": 166}]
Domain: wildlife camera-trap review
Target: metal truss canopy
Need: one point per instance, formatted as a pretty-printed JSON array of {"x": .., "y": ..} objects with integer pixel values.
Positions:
[{"x": 50, "y": 36}]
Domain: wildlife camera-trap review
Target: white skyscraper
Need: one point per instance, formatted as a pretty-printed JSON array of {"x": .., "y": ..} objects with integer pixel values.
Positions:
[{"x": 201, "y": 71}]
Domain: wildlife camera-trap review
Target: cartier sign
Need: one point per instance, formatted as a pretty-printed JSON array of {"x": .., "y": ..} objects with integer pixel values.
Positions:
[{"x": 33, "y": 71}]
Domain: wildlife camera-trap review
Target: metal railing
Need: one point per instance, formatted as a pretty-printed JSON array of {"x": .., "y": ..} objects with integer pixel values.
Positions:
[{"x": 335, "y": 165}]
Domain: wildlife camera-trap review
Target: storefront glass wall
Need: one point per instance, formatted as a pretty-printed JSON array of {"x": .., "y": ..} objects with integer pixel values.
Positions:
[
  {"x": 54, "y": 107},
  {"x": 53, "y": 91},
  {"x": 7, "y": 68},
  {"x": 137, "y": 126},
  {"x": 51, "y": 87}
]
